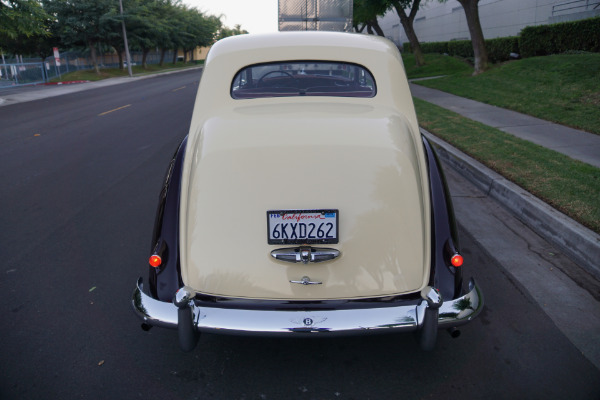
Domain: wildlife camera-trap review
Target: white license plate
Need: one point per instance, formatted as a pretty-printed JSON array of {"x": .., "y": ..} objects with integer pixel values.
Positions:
[{"x": 302, "y": 226}]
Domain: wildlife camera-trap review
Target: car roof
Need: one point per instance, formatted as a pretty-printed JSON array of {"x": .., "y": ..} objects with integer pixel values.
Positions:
[
  {"x": 345, "y": 45},
  {"x": 228, "y": 56}
]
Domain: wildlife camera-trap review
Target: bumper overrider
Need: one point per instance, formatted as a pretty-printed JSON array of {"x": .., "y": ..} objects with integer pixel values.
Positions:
[{"x": 428, "y": 315}]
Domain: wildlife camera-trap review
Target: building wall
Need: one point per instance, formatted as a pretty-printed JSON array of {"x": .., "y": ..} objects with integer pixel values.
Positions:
[
  {"x": 199, "y": 53},
  {"x": 440, "y": 22}
]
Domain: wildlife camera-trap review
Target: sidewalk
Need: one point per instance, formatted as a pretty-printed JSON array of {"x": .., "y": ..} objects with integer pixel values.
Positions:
[
  {"x": 576, "y": 144},
  {"x": 580, "y": 243}
]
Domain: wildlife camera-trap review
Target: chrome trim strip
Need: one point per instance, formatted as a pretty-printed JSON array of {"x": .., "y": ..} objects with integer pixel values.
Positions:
[
  {"x": 267, "y": 322},
  {"x": 306, "y": 281},
  {"x": 305, "y": 254}
]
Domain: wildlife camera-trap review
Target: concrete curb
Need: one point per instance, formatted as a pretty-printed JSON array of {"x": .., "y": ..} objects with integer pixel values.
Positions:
[
  {"x": 63, "y": 83},
  {"x": 581, "y": 244}
]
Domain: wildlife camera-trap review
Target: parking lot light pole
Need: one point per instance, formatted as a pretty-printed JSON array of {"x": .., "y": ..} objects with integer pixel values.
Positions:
[{"x": 125, "y": 39}]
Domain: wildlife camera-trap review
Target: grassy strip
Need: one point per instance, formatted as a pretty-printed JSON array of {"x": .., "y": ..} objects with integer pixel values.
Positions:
[
  {"x": 435, "y": 65},
  {"x": 91, "y": 75},
  {"x": 560, "y": 88},
  {"x": 568, "y": 185}
]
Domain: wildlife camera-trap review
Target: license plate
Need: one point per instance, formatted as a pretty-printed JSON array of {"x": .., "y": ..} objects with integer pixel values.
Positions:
[{"x": 302, "y": 226}]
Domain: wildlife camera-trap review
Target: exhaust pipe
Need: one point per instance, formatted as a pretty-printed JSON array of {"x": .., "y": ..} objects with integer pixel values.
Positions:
[{"x": 453, "y": 332}]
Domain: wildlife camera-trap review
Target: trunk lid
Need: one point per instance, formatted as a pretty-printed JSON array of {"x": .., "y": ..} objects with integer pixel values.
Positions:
[{"x": 361, "y": 160}]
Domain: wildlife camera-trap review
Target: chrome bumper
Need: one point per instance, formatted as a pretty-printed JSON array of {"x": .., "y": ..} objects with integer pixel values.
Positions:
[{"x": 284, "y": 322}]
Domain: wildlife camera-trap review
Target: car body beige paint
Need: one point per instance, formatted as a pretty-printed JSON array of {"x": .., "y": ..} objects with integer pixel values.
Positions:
[{"x": 363, "y": 156}]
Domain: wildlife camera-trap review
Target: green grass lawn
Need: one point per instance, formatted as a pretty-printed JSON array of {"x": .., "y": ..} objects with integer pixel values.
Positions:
[
  {"x": 568, "y": 185},
  {"x": 91, "y": 75},
  {"x": 435, "y": 65},
  {"x": 561, "y": 88}
]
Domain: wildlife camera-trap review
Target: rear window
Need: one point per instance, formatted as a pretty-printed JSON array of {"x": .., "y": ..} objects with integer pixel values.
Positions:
[{"x": 303, "y": 78}]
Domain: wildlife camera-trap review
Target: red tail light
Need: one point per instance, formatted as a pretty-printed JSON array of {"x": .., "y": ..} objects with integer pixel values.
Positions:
[
  {"x": 155, "y": 261},
  {"x": 457, "y": 260}
]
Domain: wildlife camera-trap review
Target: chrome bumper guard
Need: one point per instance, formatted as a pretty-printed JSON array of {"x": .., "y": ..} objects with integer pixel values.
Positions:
[{"x": 284, "y": 322}]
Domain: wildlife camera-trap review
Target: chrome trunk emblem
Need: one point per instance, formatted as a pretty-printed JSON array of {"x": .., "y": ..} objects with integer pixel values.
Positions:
[
  {"x": 305, "y": 254},
  {"x": 306, "y": 281}
]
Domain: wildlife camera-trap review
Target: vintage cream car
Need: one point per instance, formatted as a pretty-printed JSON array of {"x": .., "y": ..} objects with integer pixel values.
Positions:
[{"x": 304, "y": 200}]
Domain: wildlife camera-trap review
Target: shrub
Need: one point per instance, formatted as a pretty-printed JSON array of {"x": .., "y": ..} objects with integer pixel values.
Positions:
[
  {"x": 542, "y": 40},
  {"x": 499, "y": 49},
  {"x": 435, "y": 47},
  {"x": 428, "y": 47},
  {"x": 461, "y": 48}
]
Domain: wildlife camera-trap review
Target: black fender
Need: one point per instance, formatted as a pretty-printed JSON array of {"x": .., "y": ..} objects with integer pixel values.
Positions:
[
  {"x": 165, "y": 280},
  {"x": 444, "y": 235}
]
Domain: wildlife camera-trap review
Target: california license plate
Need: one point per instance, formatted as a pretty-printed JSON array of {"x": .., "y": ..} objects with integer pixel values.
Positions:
[{"x": 302, "y": 226}]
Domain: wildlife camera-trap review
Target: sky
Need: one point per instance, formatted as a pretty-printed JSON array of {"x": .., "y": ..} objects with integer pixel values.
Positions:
[{"x": 256, "y": 16}]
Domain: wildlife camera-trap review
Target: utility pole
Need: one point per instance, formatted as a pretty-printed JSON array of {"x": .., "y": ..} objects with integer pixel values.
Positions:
[{"x": 125, "y": 39}]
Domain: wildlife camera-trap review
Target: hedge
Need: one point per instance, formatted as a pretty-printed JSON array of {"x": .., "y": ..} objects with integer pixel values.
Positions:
[
  {"x": 500, "y": 49},
  {"x": 432, "y": 47},
  {"x": 541, "y": 40}
]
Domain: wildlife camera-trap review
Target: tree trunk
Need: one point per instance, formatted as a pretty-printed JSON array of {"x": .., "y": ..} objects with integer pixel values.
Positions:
[
  {"x": 407, "y": 24},
  {"x": 471, "y": 8},
  {"x": 92, "y": 46},
  {"x": 175, "y": 56},
  {"x": 144, "y": 57},
  {"x": 376, "y": 27},
  {"x": 120, "y": 54},
  {"x": 162, "y": 56}
]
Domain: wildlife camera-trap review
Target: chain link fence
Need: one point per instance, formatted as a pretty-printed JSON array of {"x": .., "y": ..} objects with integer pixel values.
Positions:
[
  {"x": 22, "y": 74},
  {"x": 30, "y": 71},
  {"x": 315, "y": 15}
]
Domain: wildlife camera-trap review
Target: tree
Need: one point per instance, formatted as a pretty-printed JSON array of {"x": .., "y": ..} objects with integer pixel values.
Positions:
[
  {"x": 22, "y": 17},
  {"x": 200, "y": 30},
  {"x": 39, "y": 45},
  {"x": 84, "y": 23},
  {"x": 97, "y": 24},
  {"x": 365, "y": 13},
  {"x": 167, "y": 9},
  {"x": 149, "y": 25},
  {"x": 145, "y": 26},
  {"x": 407, "y": 24},
  {"x": 471, "y": 8},
  {"x": 225, "y": 31},
  {"x": 190, "y": 28}
]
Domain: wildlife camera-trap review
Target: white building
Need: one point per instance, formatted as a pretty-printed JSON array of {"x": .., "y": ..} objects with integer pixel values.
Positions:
[{"x": 441, "y": 22}]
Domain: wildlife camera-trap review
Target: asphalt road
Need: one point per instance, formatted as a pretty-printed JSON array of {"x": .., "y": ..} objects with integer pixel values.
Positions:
[{"x": 80, "y": 178}]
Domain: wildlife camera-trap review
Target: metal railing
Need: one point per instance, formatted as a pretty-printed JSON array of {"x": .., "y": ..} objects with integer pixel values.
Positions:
[{"x": 575, "y": 6}]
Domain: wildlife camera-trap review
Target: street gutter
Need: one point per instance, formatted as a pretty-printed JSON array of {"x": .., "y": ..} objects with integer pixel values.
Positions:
[{"x": 581, "y": 244}]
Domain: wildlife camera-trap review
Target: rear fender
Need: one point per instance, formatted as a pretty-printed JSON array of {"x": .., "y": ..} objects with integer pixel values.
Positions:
[
  {"x": 165, "y": 280},
  {"x": 446, "y": 278}
]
